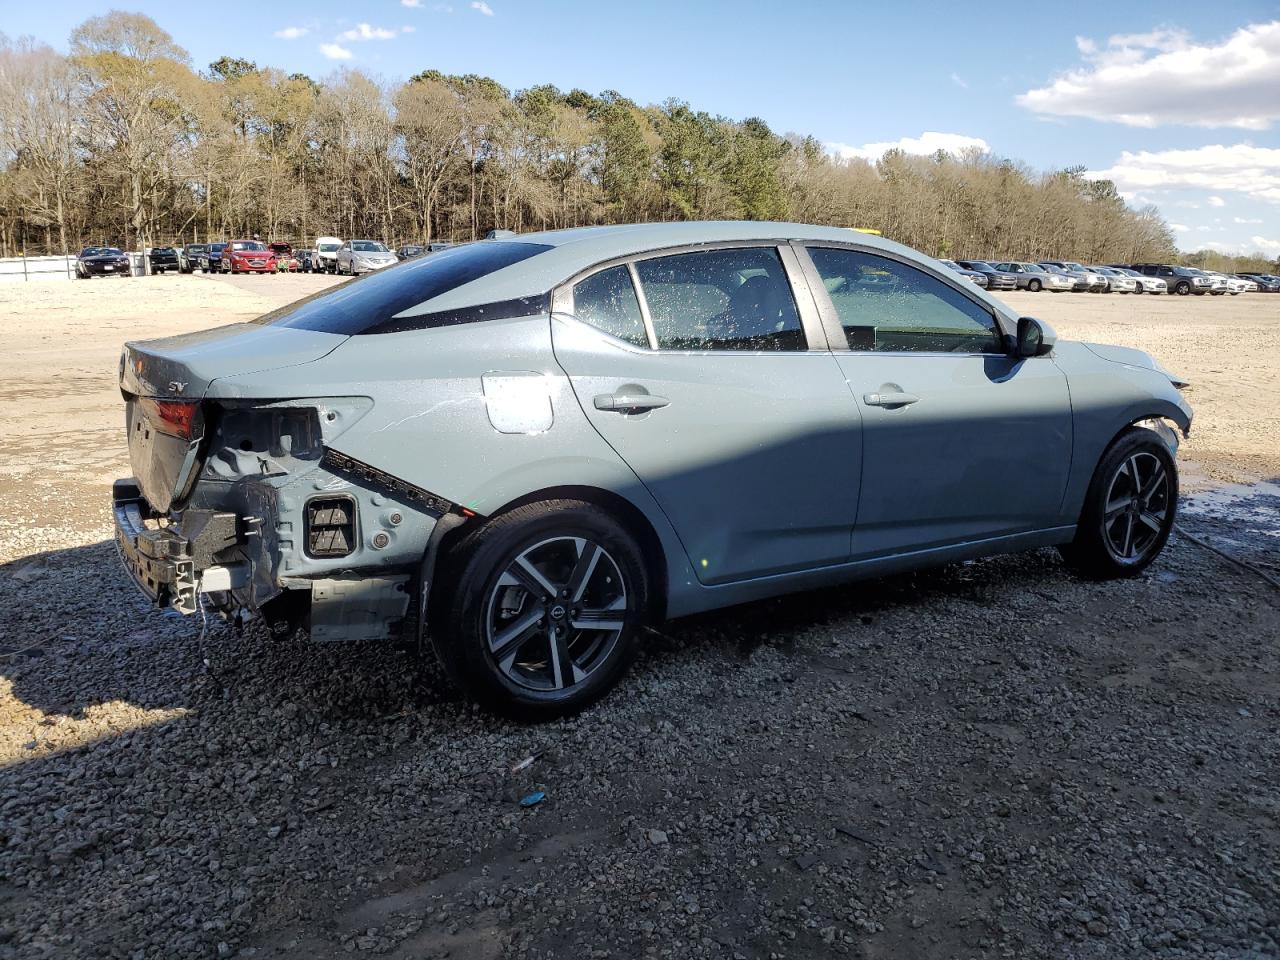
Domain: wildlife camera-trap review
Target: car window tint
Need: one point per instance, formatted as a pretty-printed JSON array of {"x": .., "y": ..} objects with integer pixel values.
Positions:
[
  {"x": 888, "y": 306},
  {"x": 607, "y": 301},
  {"x": 721, "y": 300},
  {"x": 369, "y": 304}
]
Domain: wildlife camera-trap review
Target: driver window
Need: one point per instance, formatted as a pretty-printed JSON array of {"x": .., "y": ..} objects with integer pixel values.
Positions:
[
  {"x": 887, "y": 306},
  {"x": 735, "y": 299}
]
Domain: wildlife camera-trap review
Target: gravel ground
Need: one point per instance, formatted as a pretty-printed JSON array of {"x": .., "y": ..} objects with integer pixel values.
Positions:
[{"x": 992, "y": 759}]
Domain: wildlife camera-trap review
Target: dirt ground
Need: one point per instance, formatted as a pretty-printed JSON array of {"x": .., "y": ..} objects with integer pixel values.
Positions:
[{"x": 993, "y": 759}]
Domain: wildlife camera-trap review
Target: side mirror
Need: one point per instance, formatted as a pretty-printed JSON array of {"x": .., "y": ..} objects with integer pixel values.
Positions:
[{"x": 1035, "y": 338}]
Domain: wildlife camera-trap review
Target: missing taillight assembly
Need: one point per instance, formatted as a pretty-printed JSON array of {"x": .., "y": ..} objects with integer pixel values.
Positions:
[{"x": 177, "y": 418}]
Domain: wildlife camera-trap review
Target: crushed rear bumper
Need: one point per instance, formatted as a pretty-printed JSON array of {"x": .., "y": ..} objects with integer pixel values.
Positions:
[{"x": 171, "y": 564}]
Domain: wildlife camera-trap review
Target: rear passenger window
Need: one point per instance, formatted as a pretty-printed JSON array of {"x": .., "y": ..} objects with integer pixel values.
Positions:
[
  {"x": 607, "y": 301},
  {"x": 721, "y": 300},
  {"x": 888, "y": 306}
]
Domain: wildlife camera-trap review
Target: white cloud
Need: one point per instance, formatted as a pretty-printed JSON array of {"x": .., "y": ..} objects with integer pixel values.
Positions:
[
  {"x": 1179, "y": 227},
  {"x": 927, "y": 144},
  {"x": 291, "y": 33},
  {"x": 364, "y": 31},
  {"x": 1262, "y": 243},
  {"x": 335, "y": 52},
  {"x": 1217, "y": 202},
  {"x": 410, "y": 3},
  {"x": 1163, "y": 77},
  {"x": 1240, "y": 167},
  {"x": 959, "y": 81},
  {"x": 482, "y": 7},
  {"x": 1250, "y": 220}
]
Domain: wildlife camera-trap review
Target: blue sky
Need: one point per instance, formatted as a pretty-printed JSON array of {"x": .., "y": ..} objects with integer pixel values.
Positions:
[{"x": 1179, "y": 102}]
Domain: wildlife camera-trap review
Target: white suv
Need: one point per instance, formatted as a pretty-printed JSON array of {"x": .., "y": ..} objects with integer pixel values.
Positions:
[{"x": 326, "y": 255}]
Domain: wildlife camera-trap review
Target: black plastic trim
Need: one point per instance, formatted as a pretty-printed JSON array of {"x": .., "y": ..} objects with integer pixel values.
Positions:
[
  {"x": 406, "y": 492},
  {"x": 501, "y": 310}
]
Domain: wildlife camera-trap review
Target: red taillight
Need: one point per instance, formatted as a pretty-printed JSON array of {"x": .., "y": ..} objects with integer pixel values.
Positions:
[{"x": 178, "y": 418}]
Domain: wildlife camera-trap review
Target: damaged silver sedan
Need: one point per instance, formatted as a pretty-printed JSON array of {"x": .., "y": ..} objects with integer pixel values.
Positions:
[{"x": 520, "y": 451}]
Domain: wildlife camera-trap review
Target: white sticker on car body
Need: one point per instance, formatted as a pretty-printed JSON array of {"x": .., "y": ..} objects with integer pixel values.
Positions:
[{"x": 518, "y": 401}]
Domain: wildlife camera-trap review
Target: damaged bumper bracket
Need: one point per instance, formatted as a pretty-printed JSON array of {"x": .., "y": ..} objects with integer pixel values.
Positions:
[{"x": 171, "y": 564}]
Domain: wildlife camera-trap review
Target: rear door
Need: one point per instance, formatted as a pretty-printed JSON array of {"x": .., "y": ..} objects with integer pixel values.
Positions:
[
  {"x": 716, "y": 386},
  {"x": 961, "y": 441}
]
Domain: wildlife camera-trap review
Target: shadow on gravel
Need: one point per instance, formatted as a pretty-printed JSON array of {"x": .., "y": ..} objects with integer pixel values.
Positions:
[
  {"x": 75, "y": 633},
  {"x": 986, "y": 753}
]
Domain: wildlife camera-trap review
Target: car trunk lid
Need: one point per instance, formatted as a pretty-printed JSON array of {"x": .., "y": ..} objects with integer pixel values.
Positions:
[{"x": 164, "y": 383}]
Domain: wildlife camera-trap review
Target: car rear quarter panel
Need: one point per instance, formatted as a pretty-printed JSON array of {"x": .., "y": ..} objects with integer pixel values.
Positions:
[
  {"x": 1106, "y": 397},
  {"x": 442, "y": 421}
]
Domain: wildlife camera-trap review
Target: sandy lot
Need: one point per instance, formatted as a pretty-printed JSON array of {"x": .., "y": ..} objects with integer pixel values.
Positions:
[
  {"x": 992, "y": 759},
  {"x": 63, "y": 340}
]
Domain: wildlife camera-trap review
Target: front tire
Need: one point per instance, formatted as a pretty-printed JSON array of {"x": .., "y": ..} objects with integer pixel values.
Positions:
[
  {"x": 1129, "y": 510},
  {"x": 1034, "y": 286},
  {"x": 1182, "y": 288},
  {"x": 542, "y": 607}
]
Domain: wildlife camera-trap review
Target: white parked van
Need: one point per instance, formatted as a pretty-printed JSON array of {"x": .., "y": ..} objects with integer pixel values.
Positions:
[{"x": 326, "y": 256}]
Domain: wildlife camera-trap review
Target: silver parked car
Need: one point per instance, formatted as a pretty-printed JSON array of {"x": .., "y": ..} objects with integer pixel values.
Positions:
[
  {"x": 364, "y": 256},
  {"x": 1118, "y": 282},
  {"x": 522, "y": 451},
  {"x": 1033, "y": 277}
]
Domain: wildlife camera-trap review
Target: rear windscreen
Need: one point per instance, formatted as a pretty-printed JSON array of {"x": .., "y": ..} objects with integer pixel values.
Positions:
[{"x": 367, "y": 305}]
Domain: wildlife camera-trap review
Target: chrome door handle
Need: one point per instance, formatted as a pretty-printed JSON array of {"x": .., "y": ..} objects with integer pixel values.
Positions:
[
  {"x": 889, "y": 399},
  {"x": 629, "y": 402}
]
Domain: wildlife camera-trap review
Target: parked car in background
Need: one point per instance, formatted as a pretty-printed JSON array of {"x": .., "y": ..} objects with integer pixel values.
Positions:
[
  {"x": 211, "y": 260},
  {"x": 973, "y": 276},
  {"x": 103, "y": 262},
  {"x": 190, "y": 256},
  {"x": 1142, "y": 283},
  {"x": 520, "y": 452},
  {"x": 305, "y": 258},
  {"x": 499, "y": 234},
  {"x": 364, "y": 256},
  {"x": 283, "y": 252},
  {"x": 247, "y": 256},
  {"x": 1232, "y": 285},
  {"x": 411, "y": 250},
  {"x": 1267, "y": 283},
  {"x": 161, "y": 259},
  {"x": 1180, "y": 280},
  {"x": 326, "y": 257},
  {"x": 1094, "y": 282},
  {"x": 1217, "y": 283},
  {"x": 1117, "y": 282},
  {"x": 1250, "y": 284},
  {"x": 439, "y": 245},
  {"x": 1033, "y": 277},
  {"x": 996, "y": 279}
]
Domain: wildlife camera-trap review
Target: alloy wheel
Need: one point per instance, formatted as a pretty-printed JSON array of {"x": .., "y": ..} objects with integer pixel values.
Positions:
[
  {"x": 556, "y": 613},
  {"x": 1137, "y": 507}
]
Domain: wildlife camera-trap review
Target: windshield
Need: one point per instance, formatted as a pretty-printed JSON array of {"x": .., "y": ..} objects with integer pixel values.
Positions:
[
  {"x": 370, "y": 304},
  {"x": 196, "y": 248},
  {"x": 1033, "y": 268},
  {"x": 247, "y": 245},
  {"x": 327, "y": 247},
  {"x": 367, "y": 246},
  {"x": 90, "y": 251},
  {"x": 951, "y": 263},
  {"x": 216, "y": 247},
  {"x": 979, "y": 265},
  {"x": 1073, "y": 266}
]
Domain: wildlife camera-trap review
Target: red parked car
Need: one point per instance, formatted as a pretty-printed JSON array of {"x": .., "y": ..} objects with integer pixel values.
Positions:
[
  {"x": 285, "y": 260},
  {"x": 247, "y": 256}
]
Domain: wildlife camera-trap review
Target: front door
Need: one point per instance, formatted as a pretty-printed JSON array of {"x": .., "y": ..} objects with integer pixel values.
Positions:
[
  {"x": 961, "y": 441},
  {"x": 744, "y": 436}
]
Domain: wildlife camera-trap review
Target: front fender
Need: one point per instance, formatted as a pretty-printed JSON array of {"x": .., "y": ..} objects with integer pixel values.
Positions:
[{"x": 1111, "y": 389}]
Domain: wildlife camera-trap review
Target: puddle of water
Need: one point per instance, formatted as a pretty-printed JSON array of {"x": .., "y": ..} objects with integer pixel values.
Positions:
[{"x": 1253, "y": 506}]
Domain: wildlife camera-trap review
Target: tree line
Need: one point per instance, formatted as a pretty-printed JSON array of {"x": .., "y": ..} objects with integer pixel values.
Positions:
[{"x": 121, "y": 142}]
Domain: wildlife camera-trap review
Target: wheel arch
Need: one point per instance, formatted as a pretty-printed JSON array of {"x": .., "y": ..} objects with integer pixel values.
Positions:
[{"x": 633, "y": 518}]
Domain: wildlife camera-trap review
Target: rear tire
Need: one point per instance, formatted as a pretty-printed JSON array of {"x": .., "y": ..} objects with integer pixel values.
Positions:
[
  {"x": 1129, "y": 510},
  {"x": 541, "y": 608}
]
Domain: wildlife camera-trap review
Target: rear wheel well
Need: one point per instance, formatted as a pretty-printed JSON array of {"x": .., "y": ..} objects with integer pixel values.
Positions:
[{"x": 622, "y": 510}]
